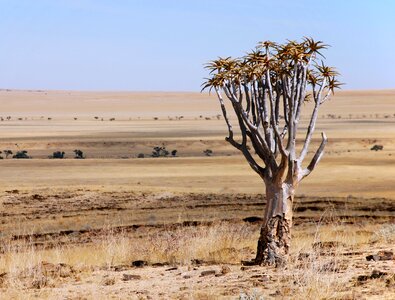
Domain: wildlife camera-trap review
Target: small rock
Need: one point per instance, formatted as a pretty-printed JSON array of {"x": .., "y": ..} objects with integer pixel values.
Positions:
[
  {"x": 362, "y": 278},
  {"x": 373, "y": 257},
  {"x": 248, "y": 263},
  {"x": 172, "y": 269},
  {"x": 225, "y": 270},
  {"x": 127, "y": 277},
  {"x": 159, "y": 264},
  {"x": 108, "y": 281},
  {"x": 207, "y": 273},
  {"x": 139, "y": 263},
  {"x": 186, "y": 276},
  {"x": 381, "y": 255},
  {"x": 121, "y": 268},
  {"x": 386, "y": 255},
  {"x": 197, "y": 261},
  {"x": 253, "y": 219},
  {"x": 377, "y": 274}
]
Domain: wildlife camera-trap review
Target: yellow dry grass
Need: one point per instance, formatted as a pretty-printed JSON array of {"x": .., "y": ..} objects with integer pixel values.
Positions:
[
  {"x": 46, "y": 121},
  {"x": 323, "y": 273}
]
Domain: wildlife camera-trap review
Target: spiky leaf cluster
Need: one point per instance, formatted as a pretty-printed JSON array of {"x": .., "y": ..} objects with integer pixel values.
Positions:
[{"x": 283, "y": 61}]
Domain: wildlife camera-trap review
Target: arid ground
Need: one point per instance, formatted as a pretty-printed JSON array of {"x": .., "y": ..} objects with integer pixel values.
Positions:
[{"x": 115, "y": 226}]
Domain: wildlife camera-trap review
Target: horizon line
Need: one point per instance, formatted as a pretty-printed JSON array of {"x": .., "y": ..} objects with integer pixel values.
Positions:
[{"x": 158, "y": 91}]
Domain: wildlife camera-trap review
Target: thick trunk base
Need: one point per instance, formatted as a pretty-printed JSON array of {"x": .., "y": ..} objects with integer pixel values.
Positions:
[{"x": 274, "y": 242}]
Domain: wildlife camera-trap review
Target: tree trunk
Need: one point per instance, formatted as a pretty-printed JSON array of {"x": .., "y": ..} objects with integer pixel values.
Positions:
[{"x": 275, "y": 236}]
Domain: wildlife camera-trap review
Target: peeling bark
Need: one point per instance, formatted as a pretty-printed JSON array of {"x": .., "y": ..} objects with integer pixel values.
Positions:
[{"x": 275, "y": 235}]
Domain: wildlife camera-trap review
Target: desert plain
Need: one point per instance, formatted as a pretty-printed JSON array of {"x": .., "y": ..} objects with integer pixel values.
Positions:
[{"x": 118, "y": 226}]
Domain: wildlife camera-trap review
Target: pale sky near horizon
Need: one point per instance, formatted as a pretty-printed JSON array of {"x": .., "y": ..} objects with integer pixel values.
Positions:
[{"x": 155, "y": 45}]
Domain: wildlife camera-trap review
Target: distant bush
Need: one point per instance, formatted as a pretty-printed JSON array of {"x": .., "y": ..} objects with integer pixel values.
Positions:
[
  {"x": 208, "y": 152},
  {"x": 159, "y": 152},
  {"x": 162, "y": 152},
  {"x": 21, "y": 154},
  {"x": 140, "y": 155},
  {"x": 377, "y": 147},
  {"x": 58, "y": 154},
  {"x": 7, "y": 153},
  {"x": 78, "y": 154}
]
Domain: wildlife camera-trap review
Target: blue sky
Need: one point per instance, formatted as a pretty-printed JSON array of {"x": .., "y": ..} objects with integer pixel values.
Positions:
[{"x": 153, "y": 45}]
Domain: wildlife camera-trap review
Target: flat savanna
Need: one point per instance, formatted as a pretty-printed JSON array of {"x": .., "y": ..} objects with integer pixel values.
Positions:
[{"x": 73, "y": 227}]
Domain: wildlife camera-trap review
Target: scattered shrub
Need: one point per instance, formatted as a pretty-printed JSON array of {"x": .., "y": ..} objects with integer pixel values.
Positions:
[
  {"x": 58, "y": 154},
  {"x": 159, "y": 151},
  {"x": 21, "y": 154},
  {"x": 78, "y": 154},
  {"x": 7, "y": 153},
  {"x": 208, "y": 152},
  {"x": 377, "y": 147}
]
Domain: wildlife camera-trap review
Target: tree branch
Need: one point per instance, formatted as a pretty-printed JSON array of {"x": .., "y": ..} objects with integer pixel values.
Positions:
[
  {"x": 316, "y": 158},
  {"x": 229, "y": 125},
  {"x": 313, "y": 121}
]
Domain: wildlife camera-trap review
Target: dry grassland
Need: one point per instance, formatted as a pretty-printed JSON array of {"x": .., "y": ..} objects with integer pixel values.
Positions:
[{"x": 72, "y": 228}]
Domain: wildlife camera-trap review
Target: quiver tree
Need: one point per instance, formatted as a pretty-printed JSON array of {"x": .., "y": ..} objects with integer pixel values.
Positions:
[{"x": 267, "y": 90}]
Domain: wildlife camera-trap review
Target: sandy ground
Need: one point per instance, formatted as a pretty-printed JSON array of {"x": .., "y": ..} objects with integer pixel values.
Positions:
[{"x": 112, "y": 187}]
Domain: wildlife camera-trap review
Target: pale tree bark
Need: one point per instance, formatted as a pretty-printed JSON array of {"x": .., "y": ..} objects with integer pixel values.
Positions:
[{"x": 257, "y": 86}]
